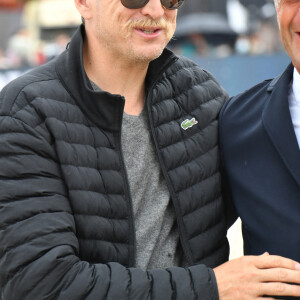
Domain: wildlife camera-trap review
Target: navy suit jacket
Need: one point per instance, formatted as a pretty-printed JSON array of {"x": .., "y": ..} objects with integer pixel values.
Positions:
[{"x": 261, "y": 160}]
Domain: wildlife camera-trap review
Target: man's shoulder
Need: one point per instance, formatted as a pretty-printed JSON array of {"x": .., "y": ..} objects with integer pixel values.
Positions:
[
  {"x": 251, "y": 99},
  {"x": 27, "y": 87},
  {"x": 188, "y": 64},
  {"x": 255, "y": 98},
  {"x": 188, "y": 69},
  {"x": 255, "y": 92}
]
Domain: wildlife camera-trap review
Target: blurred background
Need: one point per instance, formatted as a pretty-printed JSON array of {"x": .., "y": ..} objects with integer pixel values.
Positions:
[{"x": 237, "y": 40}]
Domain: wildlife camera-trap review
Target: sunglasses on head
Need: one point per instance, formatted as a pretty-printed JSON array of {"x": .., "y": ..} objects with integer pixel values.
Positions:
[{"x": 169, "y": 4}]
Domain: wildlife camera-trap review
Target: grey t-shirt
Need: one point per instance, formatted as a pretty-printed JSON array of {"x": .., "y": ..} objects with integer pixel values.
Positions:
[{"x": 157, "y": 238}]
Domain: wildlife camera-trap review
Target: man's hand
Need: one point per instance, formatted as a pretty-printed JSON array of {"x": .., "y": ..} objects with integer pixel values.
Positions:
[{"x": 252, "y": 277}]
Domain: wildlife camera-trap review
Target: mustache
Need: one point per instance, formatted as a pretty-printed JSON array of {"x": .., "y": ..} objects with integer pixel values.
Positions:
[{"x": 146, "y": 23}]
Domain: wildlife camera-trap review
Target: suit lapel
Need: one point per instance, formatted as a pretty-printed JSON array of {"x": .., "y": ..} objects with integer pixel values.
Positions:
[{"x": 278, "y": 123}]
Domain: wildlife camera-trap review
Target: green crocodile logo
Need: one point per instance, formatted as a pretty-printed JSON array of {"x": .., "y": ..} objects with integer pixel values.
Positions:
[{"x": 186, "y": 124}]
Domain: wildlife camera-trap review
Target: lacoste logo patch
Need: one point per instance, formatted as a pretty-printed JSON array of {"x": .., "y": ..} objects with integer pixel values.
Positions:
[{"x": 186, "y": 124}]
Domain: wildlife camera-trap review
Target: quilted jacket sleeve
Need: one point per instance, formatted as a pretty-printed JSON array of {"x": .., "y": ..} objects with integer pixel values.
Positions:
[{"x": 39, "y": 256}]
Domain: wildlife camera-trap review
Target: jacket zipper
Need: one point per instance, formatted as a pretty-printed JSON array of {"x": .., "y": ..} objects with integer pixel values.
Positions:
[
  {"x": 132, "y": 237},
  {"x": 185, "y": 246}
]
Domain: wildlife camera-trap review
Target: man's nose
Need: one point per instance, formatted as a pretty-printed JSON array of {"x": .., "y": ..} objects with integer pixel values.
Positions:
[{"x": 153, "y": 9}]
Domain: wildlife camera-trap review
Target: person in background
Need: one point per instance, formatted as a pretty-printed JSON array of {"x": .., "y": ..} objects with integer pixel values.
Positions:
[
  {"x": 19, "y": 50},
  {"x": 259, "y": 140},
  {"x": 110, "y": 182}
]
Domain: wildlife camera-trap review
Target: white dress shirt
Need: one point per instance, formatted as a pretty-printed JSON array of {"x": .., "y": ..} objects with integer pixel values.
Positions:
[{"x": 294, "y": 104}]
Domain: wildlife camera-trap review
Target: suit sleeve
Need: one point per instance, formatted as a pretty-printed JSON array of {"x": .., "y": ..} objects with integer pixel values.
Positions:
[
  {"x": 39, "y": 251},
  {"x": 231, "y": 213}
]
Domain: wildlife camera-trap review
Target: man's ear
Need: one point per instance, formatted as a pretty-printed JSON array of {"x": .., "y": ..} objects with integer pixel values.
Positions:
[{"x": 83, "y": 6}]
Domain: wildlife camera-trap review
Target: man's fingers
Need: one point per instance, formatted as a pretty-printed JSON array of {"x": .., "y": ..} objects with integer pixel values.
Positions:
[
  {"x": 280, "y": 289},
  {"x": 272, "y": 261},
  {"x": 280, "y": 275}
]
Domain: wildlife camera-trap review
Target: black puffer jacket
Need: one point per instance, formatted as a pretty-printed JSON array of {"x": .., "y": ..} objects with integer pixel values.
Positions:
[{"x": 66, "y": 224}]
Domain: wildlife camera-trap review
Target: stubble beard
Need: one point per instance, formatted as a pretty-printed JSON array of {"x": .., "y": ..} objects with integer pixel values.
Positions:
[
  {"x": 140, "y": 56},
  {"x": 129, "y": 53}
]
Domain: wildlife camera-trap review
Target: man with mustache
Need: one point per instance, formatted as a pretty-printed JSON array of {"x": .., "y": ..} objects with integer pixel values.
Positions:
[
  {"x": 260, "y": 141},
  {"x": 110, "y": 181}
]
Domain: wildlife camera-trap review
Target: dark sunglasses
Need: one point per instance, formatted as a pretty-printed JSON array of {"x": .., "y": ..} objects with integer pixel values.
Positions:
[{"x": 169, "y": 4}]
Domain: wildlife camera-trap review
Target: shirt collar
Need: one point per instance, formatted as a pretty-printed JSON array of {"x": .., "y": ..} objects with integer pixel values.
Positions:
[{"x": 296, "y": 85}]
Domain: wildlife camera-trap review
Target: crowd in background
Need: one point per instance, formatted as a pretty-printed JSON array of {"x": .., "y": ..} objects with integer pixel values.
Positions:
[
  {"x": 23, "y": 52},
  {"x": 264, "y": 40},
  {"x": 238, "y": 30},
  {"x": 261, "y": 37}
]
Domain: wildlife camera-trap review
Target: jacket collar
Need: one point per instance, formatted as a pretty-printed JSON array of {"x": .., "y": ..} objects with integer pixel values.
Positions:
[
  {"x": 103, "y": 108},
  {"x": 278, "y": 123}
]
